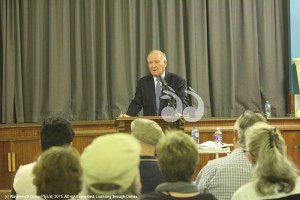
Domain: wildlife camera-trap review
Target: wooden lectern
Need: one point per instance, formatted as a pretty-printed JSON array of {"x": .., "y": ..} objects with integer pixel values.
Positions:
[{"x": 123, "y": 123}]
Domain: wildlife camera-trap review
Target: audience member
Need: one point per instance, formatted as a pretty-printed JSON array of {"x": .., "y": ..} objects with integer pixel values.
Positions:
[
  {"x": 58, "y": 174},
  {"x": 55, "y": 131},
  {"x": 223, "y": 176},
  {"x": 148, "y": 133},
  {"x": 149, "y": 88},
  {"x": 273, "y": 175},
  {"x": 178, "y": 158},
  {"x": 111, "y": 168}
]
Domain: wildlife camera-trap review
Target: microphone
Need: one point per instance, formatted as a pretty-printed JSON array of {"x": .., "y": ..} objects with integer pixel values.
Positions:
[
  {"x": 163, "y": 82},
  {"x": 171, "y": 99}
]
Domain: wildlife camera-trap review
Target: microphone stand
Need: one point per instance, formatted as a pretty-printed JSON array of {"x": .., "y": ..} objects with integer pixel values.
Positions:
[{"x": 171, "y": 100}]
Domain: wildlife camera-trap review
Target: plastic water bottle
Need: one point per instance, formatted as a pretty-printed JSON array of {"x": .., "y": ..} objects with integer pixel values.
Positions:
[
  {"x": 218, "y": 138},
  {"x": 195, "y": 135},
  {"x": 268, "y": 109}
]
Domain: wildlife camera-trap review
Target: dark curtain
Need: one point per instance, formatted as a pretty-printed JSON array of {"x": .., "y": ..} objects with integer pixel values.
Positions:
[{"x": 82, "y": 59}]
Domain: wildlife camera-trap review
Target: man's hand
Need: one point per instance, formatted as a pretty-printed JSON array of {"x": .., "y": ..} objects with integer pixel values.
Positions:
[{"x": 124, "y": 115}]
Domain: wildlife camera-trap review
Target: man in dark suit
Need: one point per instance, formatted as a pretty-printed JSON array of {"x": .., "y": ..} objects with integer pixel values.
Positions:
[{"x": 147, "y": 88}]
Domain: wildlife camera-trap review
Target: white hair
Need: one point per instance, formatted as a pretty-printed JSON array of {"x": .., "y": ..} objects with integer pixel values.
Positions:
[
  {"x": 246, "y": 120},
  {"x": 162, "y": 54}
]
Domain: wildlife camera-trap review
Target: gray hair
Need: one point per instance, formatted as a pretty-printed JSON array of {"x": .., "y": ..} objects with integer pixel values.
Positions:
[
  {"x": 162, "y": 54},
  {"x": 272, "y": 168},
  {"x": 247, "y": 119}
]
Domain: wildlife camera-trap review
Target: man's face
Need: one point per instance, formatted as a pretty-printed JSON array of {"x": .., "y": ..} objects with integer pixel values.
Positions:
[{"x": 156, "y": 63}]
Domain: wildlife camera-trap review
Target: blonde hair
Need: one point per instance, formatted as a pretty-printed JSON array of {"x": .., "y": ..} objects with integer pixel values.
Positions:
[
  {"x": 177, "y": 156},
  {"x": 272, "y": 167},
  {"x": 58, "y": 174}
]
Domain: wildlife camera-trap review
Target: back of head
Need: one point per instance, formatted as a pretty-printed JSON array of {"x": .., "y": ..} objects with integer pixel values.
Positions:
[
  {"x": 177, "y": 156},
  {"x": 246, "y": 120},
  {"x": 272, "y": 168},
  {"x": 147, "y": 131},
  {"x": 58, "y": 173},
  {"x": 56, "y": 131},
  {"x": 111, "y": 165}
]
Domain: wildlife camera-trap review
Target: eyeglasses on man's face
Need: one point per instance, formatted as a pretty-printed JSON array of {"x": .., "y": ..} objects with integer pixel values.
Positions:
[{"x": 245, "y": 151}]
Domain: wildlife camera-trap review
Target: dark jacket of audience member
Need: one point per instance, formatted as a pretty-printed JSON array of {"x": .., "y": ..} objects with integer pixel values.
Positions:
[{"x": 148, "y": 132}]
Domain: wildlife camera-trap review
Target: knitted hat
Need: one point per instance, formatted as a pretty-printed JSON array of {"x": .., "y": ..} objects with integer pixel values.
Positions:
[
  {"x": 111, "y": 159},
  {"x": 146, "y": 130}
]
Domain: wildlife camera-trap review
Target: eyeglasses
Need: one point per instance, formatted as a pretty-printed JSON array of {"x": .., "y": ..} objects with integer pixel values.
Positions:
[{"x": 245, "y": 151}]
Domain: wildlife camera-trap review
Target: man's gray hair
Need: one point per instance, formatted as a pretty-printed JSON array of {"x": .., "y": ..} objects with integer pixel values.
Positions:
[
  {"x": 247, "y": 119},
  {"x": 163, "y": 55}
]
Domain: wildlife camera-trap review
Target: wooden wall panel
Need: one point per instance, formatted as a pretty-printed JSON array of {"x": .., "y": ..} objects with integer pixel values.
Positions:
[
  {"x": 5, "y": 174},
  {"x": 4, "y": 194},
  {"x": 23, "y": 139},
  {"x": 292, "y": 139}
]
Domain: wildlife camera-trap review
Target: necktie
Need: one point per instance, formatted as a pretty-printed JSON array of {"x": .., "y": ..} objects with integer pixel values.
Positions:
[{"x": 157, "y": 93}]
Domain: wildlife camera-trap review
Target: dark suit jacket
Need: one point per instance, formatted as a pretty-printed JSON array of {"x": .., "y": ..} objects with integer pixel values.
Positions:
[
  {"x": 145, "y": 94},
  {"x": 150, "y": 173}
]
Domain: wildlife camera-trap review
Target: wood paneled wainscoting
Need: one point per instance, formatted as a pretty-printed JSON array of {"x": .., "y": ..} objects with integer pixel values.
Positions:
[{"x": 19, "y": 143}]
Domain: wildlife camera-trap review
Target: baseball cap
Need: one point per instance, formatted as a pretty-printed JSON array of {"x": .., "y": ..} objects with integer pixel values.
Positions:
[{"x": 111, "y": 159}]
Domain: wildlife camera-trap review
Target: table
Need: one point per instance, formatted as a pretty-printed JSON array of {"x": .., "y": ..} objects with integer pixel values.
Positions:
[{"x": 214, "y": 151}]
